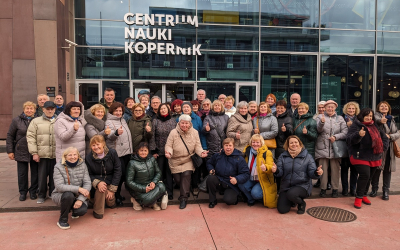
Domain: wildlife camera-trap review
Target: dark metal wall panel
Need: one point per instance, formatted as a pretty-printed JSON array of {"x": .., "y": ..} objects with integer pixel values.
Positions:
[{"x": 44, "y": 10}]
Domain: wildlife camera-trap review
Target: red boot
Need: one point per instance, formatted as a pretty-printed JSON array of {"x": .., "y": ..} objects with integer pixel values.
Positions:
[
  {"x": 366, "y": 201},
  {"x": 357, "y": 203}
]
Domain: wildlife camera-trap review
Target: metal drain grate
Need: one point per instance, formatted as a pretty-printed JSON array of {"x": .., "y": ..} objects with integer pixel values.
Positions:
[{"x": 332, "y": 214}]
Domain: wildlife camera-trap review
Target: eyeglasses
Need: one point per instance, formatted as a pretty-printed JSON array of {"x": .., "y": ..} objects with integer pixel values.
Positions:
[
  {"x": 206, "y": 104},
  {"x": 138, "y": 110}
]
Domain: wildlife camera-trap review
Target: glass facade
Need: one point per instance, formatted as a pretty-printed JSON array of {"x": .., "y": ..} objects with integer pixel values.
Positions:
[{"x": 344, "y": 50}]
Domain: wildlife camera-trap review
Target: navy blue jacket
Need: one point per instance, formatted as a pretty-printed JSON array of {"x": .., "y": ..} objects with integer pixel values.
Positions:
[
  {"x": 296, "y": 172},
  {"x": 233, "y": 165}
]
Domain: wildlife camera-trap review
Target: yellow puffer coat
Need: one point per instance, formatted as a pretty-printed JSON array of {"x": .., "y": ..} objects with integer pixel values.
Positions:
[{"x": 266, "y": 178}]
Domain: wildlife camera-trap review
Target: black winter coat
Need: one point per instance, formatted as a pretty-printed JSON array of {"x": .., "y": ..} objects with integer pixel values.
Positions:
[
  {"x": 218, "y": 123},
  {"x": 16, "y": 138},
  {"x": 229, "y": 165},
  {"x": 282, "y": 136},
  {"x": 150, "y": 112},
  {"x": 361, "y": 147},
  {"x": 161, "y": 128},
  {"x": 296, "y": 172},
  {"x": 107, "y": 169}
]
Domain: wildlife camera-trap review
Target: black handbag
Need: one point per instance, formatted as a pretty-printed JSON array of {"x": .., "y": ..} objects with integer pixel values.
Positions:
[
  {"x": 203, "y": 185},
  {"x": 197, "y": 160},
  {"x": 340, "y": 148}
]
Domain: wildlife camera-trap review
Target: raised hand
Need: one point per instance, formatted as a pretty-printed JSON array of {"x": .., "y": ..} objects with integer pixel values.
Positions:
[
  {"x": 362, "y": 132},
  {"x": 263, "y": 167},
  {"x": 155, "y": 156},
  {"x": 208, "y": 127},
  {"x": 319, "y": 170},
  {"x": 120, "y": 131},
  {"x": 148, "y": 128},
  {"x": 283, "y": 128},
  {"x": 274, "y": 168},
  {"x": 349, "y": 123},
  {"x": 383, "y": 120},
  {"x": 256, "y": 131},
  {"x": 107, "y": 131},
  {"x": 76, "y": 125},
  {"x": 304, "y": 130},
  {"x": 238, "y": 135},
  {"x": 323, "y": 119}
]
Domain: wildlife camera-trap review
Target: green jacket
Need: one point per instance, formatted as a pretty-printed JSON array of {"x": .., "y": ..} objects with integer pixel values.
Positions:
[
  {"x": 311, "y": 125},
  {"x": 138, "y": 130},
  {"x": 139, "y": 174}
]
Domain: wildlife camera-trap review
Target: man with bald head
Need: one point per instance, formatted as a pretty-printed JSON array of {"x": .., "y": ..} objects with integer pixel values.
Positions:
[{"x": 295, "y": 100}]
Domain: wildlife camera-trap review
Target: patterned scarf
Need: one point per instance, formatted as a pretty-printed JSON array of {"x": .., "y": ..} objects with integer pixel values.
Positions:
[
  {"x": 377, "y": 144},
  {"x": 294, "y": 153}
]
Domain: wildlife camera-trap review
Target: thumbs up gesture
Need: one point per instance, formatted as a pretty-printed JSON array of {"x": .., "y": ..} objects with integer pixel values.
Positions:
[
  {"x": 304, "y": 130},
  {"x": 274, "y": 168},
  {"x": 120, "y": 131},
  {"x": 323, "y": 119},
  {"x": 383, "y": 120},
  {"x": 362, "y": 132},
  {"x": 207, "y": 127},
  {"x": 238, "y": 135},
  {"x": 283, "y": 128},
  {"x": 107, "y": 131},
  {"x": 263, "y": 167},
  {"x": 319, "y": 170},
  {"x": 256, "y": 131},
  {"x": 148, "y": 128},
  {"x": 76, "y": 125}
]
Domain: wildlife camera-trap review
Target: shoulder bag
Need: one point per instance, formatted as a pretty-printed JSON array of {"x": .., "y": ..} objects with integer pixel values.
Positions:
[
  {"x": 197, "y": 160},
  {"x": 396, "y": 149},
  {"x": 340, "y": 147},
  {"x": 270, "y": 143}
]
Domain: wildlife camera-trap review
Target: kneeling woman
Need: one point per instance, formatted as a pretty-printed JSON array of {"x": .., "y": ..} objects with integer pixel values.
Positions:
[
  {"x": 261, "y": 185},
  {"x": 296, "y": 167},
  {"x": 143, "y": 179},
  {"x": 105, "y": 173},
  {"x": 72, "y": 185}
]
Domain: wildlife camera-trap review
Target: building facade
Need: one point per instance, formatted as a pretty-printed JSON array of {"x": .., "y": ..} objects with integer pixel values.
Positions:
[{"x": 345, "y": 50}]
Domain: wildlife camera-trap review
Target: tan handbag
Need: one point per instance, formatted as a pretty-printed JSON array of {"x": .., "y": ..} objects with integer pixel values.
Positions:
[
  {"x": 396, "y": 149},
  {"x": 270, "y": 143}
]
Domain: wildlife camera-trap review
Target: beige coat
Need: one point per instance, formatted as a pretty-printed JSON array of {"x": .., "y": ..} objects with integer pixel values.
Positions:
[
  {"x": 181, "y": 161},
  {"x": 237, "y": 123},
  {"x": 40, "y": 137}
]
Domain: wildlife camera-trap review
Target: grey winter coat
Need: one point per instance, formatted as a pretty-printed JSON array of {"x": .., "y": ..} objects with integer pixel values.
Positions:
[
  {"x": 161, "y": 128},
  {"x": 66, "y": 136},
  {"x": 218, "y": 123},
  {"x": 334, "y": 125},
  {"x": 268, "y": 126},
  {"x": 16, "y": 138},
  {"x": 78, "y": 176},
  {"x": 121, "y": 143},
  {"x": 394, "y": 134},
  {"x": 94, "y": 126}
]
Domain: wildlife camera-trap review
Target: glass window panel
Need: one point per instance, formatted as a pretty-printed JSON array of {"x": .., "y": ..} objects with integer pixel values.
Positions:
[
  {"x": 121, "y": 89},
  {"x": 101, "y": 9},
  {"x": 99, "y": 33},
  {"x": 348, "y": 14},
  {"x": 176, "y": 7},
  {"x": 88, "y": 94},
  {"x": 388, "y": 84},
  {"x": 179, "y": 91},
  {"x": 247, "y": 93},
  {"x": 101, "y": 63},
  {"x": 214, "y": 89},
  {"x": 154, "y": 89},
  {"x": 278, "y": 39},
  {"x": 284, "y": 75},
  {"x": 243, "y": 12},
  {"x": 347, "y": 78},
  {"x": 227, "y": 37},
  {"x": 293, "y": 13},
  {"x": 388, "y": 15},
  {"x": 227, "y": 66},
  {"x": 388, "y": 42},
  {"x": 347, "y": 41}
]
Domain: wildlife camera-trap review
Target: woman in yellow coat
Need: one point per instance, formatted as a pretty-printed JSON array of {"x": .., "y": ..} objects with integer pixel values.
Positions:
[{"x": 261, "y": 184}]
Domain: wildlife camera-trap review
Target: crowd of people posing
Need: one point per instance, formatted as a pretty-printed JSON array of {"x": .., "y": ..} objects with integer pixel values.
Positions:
[{"x": 267, "y": 152}]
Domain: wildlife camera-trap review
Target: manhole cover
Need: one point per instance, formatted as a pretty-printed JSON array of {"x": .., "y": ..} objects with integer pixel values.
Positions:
[{"x": 332, "y": 214}]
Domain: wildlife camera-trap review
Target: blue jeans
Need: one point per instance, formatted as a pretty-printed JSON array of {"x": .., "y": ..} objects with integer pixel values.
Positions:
[{"x": 252, "y": 190}]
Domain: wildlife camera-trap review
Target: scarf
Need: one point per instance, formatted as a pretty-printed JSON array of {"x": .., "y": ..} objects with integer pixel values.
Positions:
[
  {"x": 253, "y": 165},
  {"x": 262, "y": 115},
  {"x": 72, "y": 164},
  {"x": 74, "y": 118},
  {"x": 389, "y": 120},
  {"x": 294, "y": 153},
  {"x": 140, "y": 117},
  {"x": 164, "y": 117},
  {"x": 349, "y": 118},
  {"x": 101, "y": 156},
  {"x": 377, "y": 144},
  {"x": 244, "y": 116}
]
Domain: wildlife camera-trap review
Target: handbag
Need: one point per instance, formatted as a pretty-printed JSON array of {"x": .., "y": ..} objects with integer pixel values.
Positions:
[
  {"x": 270, "y": 143},
  {"x": 203, "y": 185},
  {"x": 197, "y": 160},
  {"x": 340, "y": 148},
  {"x": 396, "y": 149}
]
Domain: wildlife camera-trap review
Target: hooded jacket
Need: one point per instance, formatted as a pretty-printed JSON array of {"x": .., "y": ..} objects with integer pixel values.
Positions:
[
  {"x": 66, "y": 136},
  {"x": 140, "y": 173},
  {"x": 218, "y": 123},
  {"x": 307, "y": 139},
  {"x": 94, "y": 126},
  {"x": 16, "y": 138},
  {"x": 40, "y": 137},
  {"x": 296, "y": 172},
  {"x": 283, "y": 118},
  {"x": 161, "y": 128},
  {"x": 121, "y": 143},
  {"x": 238, "y": 123},
  {"x": 138, "y": 130},
  {"x": 232, "y": 165}
]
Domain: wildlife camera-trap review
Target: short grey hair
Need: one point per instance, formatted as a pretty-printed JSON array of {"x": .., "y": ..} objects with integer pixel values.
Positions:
[
  {"x": 40, "y": 95},
  {"x": 204, "y": 101},
  {"x": 185, "y": 118},
  {"x": 242, "y": 104},
  {"x": 252, "y": 102},
  {"x": 295, "y": 94},
  {"x": 321, "y": 103},
  {"x": 201, "y": 90},
  {"x": 156, "y": 97}
]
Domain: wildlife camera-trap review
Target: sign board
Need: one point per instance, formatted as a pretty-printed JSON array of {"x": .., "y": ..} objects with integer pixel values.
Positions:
[{"x": 51, "y": 89}]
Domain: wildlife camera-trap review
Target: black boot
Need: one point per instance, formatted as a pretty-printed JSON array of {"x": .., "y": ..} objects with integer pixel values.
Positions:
[
  {"x": 345, "y": 192},
  {"x": 183, "y": 204},
  {"x": 385, "y": 195},
  {"x": 322, "y": 193},
  {"x": 317, "y": 184},
  {"x": 301, "y": 208},
  {"x": 374, "y": 193},
  {"x": 352, "y": 192},
  {"x": 335, "y": 193}
]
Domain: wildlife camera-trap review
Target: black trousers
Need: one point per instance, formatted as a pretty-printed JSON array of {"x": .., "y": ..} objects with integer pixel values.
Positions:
[
  {"x": 214, "y": 185},
  {"x": 67, "y": 204},
  {"x": 124, "y": 164},
  {"x": 23, "y": 169},
  {"x": 196, "y": 176},
  {"x": 166, "y": 173},
  {"x": 387, "y": 175},
  {"x": 46, "y": 169},
  {"x": 183, "y": 180},
  {"x": 344, "y": 174},
  {"x": 287, "y": 198},
  {"x": 364, "y": 179}
]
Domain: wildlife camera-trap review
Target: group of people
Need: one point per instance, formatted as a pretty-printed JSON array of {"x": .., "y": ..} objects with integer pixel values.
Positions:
[{"x": 267, "y": 152}]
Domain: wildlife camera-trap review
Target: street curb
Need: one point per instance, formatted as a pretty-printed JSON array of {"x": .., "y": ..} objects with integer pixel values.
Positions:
[{"x": 3, "y": 149}]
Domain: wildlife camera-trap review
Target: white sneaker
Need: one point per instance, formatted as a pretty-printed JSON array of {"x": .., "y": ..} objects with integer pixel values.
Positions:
[
  {"x": 74, "y": 216},
  {"x": 156, "y": 207},
  {"x": 164, "y": 201}
]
